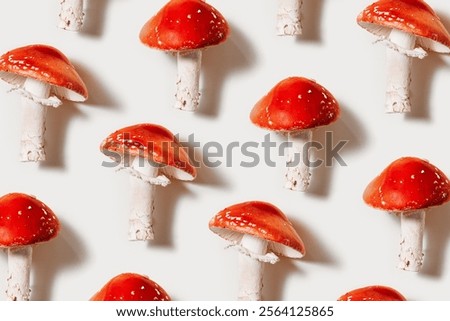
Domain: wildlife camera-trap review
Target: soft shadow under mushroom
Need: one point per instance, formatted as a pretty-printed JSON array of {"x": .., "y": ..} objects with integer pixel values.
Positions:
[
  {"x": 234, "y": 55},
  {"x": 66, "y": 251},
  {"x": 94, "y": 20}
]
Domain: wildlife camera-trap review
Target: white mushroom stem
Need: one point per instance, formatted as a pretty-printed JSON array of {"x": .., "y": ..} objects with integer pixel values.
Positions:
[
  {"x": 399, "y": 71},
  {"x": 71, "y": 15},
  {"x": 19, "y": 267},
  {"x": 251, "y": 269},
  {"x": 142, "y": 200},
  {"x": 289, "y": 17},
  {"x": 33, "y": 120},
  {"x": 298, "y": 173},
  {"x": 188, "y": 82},
  {"x": 411, "y": 243}
]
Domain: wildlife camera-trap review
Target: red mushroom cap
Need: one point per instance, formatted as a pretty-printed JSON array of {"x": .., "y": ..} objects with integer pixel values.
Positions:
[
  {"x": 154, "y": 143},
  {"x": 131, "y": 287},
  {"x": 373, "y": 293},
  {"x": 262, "y": 220},
  {"x": 294, "y": 104},
  {"x": 409, "y": 183},
  {"x": 411, "y": 16},
  {"x": 185, "y": 25},
  {"x": 46, "y": 64},
  {"x": 24, "y": 220}
]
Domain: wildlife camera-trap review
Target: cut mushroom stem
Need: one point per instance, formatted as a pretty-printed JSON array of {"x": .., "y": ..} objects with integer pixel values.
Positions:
[
  {"x": 187, "y": 94},
  {"x": 289, "y": 17},
  {"x": 399, "y": 71},
  {"x": 251, "y": 269},
  {"x": 71, "y": 15},
  {"x": 142, "y": 200},
  {"x": 33, "y": 121},
  {"x": 19, "y": 267},
  {"x": 411, "y": 243},
  {"x": 298, "y": 173}
]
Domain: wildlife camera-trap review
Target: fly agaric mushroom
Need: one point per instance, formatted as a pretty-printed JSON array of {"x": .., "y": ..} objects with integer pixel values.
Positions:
[
  {"x": 39, "y": 73},
  {"x": 131, "y": 287},
  {"x": 373, "y": 293},
  {"x": 406, "y": 27},
  {"x": 257, "y": 229},
  {"x": 295, "y": 106},
  {"x": 24, "y": 221},
  {"x": 289, "y": 17},
  {"x": 407, "y": 187},
  {"x": 71, "y": 15},
  {"x": 186, "y": 27},
  {"x": 149, "y": 153}
]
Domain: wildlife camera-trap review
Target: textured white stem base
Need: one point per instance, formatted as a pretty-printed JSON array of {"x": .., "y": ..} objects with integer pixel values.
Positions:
[
  {"x": 298, "y": 173},
  {"x": 289, "y": 17},
  {"x": 19, "y": 267},
  {"x": 142, "y": 201},
  {"x": 411, "y": 243},
  {"x": 33, "y": 122},
  {"x": 250, "y": 269},
  {"x": 399, "y": 72},
  {"x": 71, "y": 15},
  {"x": 188, "y": 94}
]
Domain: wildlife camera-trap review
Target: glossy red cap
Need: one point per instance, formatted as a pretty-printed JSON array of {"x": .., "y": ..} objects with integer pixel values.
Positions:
[
  {"x": 46, "y": 64},
  {"x": 24, "y": 220},
  {"x": 411, "y": 16},
  {"x": 185, "y": 25},
  {"x": 373, "y": 293},
  {"x": 131, "y": 287},
  {"x": 294, "y": 104},
  {"x": 262, "y": 220},
  {"x": 409, "y": 183},
  {"x": 153, "y": 142}
]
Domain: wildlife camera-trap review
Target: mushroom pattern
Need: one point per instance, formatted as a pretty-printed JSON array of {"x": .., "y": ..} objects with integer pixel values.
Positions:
[
  {"x": 40, "y": 73},
  {"x": 71, "y": 15},
  {"x": 256, "y": 229},
  {"x": 407, "y": 187},
  {"x": 295, "y": 106},
  {"x": 289, "y": 17},
  {"x": 186, "y": 27},
  {"x": 373, "y": 293},
  {"x": 149, "y": 153},
  {"x": 407, "y": 28},
  {"x": 131, "y": 287},
  {"x": 24, "y": 221}
]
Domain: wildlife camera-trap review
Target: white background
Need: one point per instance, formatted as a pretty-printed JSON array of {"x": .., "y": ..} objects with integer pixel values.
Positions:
[{"x": 348, "y": 244}]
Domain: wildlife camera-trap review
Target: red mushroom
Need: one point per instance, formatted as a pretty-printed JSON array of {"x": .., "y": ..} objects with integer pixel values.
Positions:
[
  {"x": 373, "y": 293},
  {"x": 24, "y": 221},
  {"x": 185, "y": 27},
  {"x": 39, "y": 73},
  {"x": 71, "y": 15},
  {"x": 296, "y": 106},
  {"x": 257, "y": 229},
  {"x": 131, "y": 287},
  {"x": 407, "y": 187},
  {"x": 149, "y": 153},
  {"x": 289, "y": 17},
  {"x": 406, "y": 27}
]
